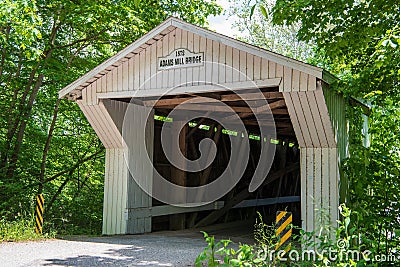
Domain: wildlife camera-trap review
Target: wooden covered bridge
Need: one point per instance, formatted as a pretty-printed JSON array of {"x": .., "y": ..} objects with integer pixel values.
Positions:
[{"x": 310, "y": 140}]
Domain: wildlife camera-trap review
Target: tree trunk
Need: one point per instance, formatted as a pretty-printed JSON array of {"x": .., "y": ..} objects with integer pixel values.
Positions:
[{"x": 47, "y": 147}]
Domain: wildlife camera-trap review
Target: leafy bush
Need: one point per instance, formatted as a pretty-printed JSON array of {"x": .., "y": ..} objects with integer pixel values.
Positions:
[
  {"x": 20, "y": 229},
  {"x": 220, "y": 254},
  {"x": 343, "y": 246}
]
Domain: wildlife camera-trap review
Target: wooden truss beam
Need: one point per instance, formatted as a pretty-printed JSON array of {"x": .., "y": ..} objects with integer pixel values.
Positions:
[
  {"x": 215, "y": 215},
  {"x": 223, "y": 98}
]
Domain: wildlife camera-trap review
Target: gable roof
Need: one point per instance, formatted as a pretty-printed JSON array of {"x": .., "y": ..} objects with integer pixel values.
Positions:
[{"x": 166, "y": 27}]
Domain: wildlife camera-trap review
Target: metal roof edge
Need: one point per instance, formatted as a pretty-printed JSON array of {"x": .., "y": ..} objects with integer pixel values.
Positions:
[
  {"x": 328, "y": 77},
  {"x": 365, "y": 105}
]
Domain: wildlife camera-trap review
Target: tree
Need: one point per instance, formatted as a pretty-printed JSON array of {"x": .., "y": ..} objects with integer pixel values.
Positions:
[
  {"x": 359, "y": 40},
  {"x": 256, "y": 27},
  {"x": 46, "y": 145}
]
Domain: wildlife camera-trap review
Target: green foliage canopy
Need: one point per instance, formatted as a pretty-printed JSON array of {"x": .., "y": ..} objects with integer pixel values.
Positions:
[
  {"x": 360, "y": 42},
  {"x": 256, "y": 27},
  {"x": 46, "y": 145},
  {"x": 359, "y": 39}
]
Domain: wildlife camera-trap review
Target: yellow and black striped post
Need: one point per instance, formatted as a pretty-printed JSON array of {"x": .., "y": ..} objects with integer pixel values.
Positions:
[
  {"x": 283, "y": 230},
  {"x": 39, "y": 214}
]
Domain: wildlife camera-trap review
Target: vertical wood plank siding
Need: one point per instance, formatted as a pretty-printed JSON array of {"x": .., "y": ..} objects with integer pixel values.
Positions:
[
  {"x": 317, "y": 134},
  {"x": 132, "y": 195},
  {"x": 121, "y": 192},
  {"x": 140, "y": 72},
  {"x": 336, "y": 110},
  {"x": 139, "y": 166}
]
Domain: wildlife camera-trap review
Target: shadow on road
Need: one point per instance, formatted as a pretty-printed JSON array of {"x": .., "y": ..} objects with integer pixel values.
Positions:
[{"x": 117, "y": 257}]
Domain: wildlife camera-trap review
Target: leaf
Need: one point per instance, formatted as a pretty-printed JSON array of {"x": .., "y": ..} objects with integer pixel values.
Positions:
[
  {"x": 252, "y": 10},
  {"x": 392, "y": 44},
  {"x": 264, "y": 11},
  {"x": 347, "y": 222},
  {"x": 235, "y": 261}
]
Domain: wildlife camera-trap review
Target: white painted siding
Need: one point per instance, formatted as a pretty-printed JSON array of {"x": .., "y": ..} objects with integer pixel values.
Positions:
[
  {"x": 135, "y": 138},
  {"x": 121, "y": 193},
  {"x": 224, "y": 64},
  {"x": 139, "y": 166},
  {"x": 318, "y": 160}
]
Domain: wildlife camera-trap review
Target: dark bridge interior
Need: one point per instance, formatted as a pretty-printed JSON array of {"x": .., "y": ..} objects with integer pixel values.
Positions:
[{"x": 279, "y": 191}]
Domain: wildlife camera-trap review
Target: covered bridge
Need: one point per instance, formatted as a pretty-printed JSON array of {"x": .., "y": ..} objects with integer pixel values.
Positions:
[{"x": 130, "y": 99}]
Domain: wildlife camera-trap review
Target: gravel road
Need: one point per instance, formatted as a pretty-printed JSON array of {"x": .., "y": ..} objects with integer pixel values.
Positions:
[
  {"x": 167, "y": 248},
  {"x": 133, "y": 250}
]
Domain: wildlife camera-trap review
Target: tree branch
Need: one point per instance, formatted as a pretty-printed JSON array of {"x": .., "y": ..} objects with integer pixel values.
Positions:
[{"x": 75, "y": 166}]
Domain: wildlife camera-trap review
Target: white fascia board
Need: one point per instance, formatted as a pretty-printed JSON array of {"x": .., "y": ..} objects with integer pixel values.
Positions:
[{"x": 120, "y": 55}]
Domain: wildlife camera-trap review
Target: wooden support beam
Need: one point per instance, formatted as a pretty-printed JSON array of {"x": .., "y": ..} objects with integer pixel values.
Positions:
[
  {"x": 263, "y": 109},
  {"x": 178, "y": 221},
  {"x": 201, "y": 99},
  {"x": 208, "y": 107},
  {"x": 205, "y": 175},
  {"x": 277, "y": 124},
  {"x": 172, "y": 101},
  {"x": 251, "y": 96},
  {"x": 272, "y": 106},
  {"x": 216, "y": 96},
  {"x": 215, "y": 215},
  {"x": 168, "y": 210},
  {"x": 227, "y": 157},
  {"x": 244, "y": 115},
  {"x": 280, "y": 111},
  {"x": 267, "y": 201}
]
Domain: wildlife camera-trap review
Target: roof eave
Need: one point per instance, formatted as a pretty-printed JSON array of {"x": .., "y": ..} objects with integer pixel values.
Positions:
[
  {"x": 328, "y": 77},
  {"x": 177, "y": 23},
  {"x": 278, "y": 58},
  {"x": 118, "y": 56}
]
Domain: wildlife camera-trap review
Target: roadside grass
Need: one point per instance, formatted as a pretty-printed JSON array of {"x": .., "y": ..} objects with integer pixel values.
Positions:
[{"x": 21, "y": 229}]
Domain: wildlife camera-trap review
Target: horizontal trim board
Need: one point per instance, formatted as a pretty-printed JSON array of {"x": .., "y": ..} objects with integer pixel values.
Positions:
[
  {"x": 195, "y": 89},
  {"x": 223, "y": 98},
  {"x": 137, "y": 213},
  {"x": 267, "y": 201}
]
